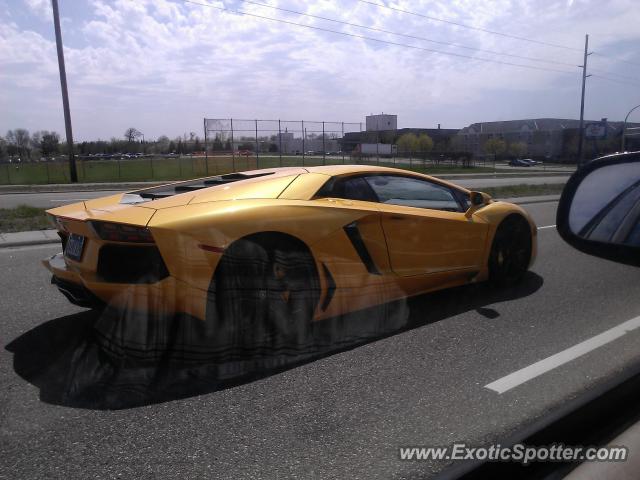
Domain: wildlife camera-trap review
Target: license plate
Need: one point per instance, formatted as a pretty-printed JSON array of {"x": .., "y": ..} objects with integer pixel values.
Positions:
[{"x": 74, "y": 247}]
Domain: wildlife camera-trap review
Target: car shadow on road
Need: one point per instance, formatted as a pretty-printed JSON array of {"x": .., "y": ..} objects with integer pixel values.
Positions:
[{"x": 68, "y": 361}]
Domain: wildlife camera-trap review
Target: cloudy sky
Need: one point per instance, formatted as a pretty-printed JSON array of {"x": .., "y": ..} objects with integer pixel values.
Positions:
[{"x": 161, "y": 66}]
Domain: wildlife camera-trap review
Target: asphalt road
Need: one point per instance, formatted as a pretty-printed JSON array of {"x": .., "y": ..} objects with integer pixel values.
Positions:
[
  {"x": 54, "y": 199},
  {"x": 343, "y": 415}
]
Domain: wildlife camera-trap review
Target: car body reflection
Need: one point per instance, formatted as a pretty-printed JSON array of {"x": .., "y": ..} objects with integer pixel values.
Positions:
[
  {"x": 618, "y": 221},
  {"x": 114, "y": 360}
]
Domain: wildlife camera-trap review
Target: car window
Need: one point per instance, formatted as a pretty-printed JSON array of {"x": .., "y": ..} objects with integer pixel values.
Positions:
[
  {"x": 350, "y": 188},
  {"x": 413, "y": 192}
]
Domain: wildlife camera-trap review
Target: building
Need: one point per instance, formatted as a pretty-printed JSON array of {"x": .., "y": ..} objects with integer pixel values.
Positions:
[
  {"x": 442, "y": 137},
  {"x": 376, "y": 123},
  {"x": 311, "y": 143},
  {"x": 544, "y": 138}
]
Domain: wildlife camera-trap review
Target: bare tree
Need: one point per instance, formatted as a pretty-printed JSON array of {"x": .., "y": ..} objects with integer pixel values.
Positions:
[
  {"x": 131, "y": 133},
  {"x": 20, "y": 139}
]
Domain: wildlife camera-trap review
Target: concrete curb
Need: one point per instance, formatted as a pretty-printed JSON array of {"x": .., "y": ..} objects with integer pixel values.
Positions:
[
  {"x": 75, "y": 187},
  {"x": 530, "y": 200},
  {"x": 22, "y": 239}
]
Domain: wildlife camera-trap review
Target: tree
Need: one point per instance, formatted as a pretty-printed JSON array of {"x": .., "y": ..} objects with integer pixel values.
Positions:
[
  {"x": 19, "y": 138},
  {"x": 407, "y": 143},
  {"x": 518, "y": 149},
  {"x": 130, "y": 134},
  {"x": 3, "y": 149},
  {"x": 35, "y": 139},
  {"x": 425, "y": 143},
  {"x": 49, "y": 143},
  {"x": 495, "y": 146},
  {"x": 217, "y": 144}
]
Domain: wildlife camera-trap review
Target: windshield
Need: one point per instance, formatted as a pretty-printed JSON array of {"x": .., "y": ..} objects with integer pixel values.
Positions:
[{"x": 285, "y": 239}]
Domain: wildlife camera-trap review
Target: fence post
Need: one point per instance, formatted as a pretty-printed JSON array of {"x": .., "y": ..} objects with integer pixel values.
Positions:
[
  {"x": 280, "y": 141},
  {"x": 377, "y": 143},
  {"x": 233, "y": 154},
  {"x": 206, "y": 154},
  {"x": 9, "y": 173},
  {"x": 257, "y": 148},
  {"x": 304, "y": 135},
  {"x": 119, "y": 174},
  {"x": 152, "y": 174},
  {"x": 323, "y": 146},
  {"x": 342, "y": 144},
  {"x": 46, "y": 164}
]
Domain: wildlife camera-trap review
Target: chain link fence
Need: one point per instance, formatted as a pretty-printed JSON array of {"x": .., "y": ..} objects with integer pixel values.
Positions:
[
  {"x": 232, "y": 145},
  {"x": 240, "y": 144}
]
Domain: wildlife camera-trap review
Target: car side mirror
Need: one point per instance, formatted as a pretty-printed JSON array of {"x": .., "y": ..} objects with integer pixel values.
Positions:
[
  {"x": 599, "y": 209},
  {"x": 477, "y": 200}
]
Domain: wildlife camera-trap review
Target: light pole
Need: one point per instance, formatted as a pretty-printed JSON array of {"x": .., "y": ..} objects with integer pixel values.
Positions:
[{"x": 624, "y": 127}]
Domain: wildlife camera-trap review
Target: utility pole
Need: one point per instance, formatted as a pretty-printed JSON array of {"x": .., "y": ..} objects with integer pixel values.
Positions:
[
  {"x": 65, "y": 95},
  {"x": 584, "y": 81}
]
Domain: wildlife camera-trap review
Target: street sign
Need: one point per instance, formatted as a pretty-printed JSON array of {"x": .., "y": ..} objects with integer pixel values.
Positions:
[{"x": 596, "y": 130}]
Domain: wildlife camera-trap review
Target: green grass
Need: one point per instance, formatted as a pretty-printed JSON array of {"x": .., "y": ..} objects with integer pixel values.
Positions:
[
  {"x": 523, "y": 190},
  {"x": 22, "y": 218},
  {"x": 148, "y": 169}
]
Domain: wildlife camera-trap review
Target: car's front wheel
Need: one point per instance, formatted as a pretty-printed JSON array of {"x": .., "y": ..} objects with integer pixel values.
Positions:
[
  {"x": 511, "y": 251},
  {"x": 263, "y": 294}
]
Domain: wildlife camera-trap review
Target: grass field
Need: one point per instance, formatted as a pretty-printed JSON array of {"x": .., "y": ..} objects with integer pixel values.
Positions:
[
  {"x": 22, "y": 218},
  {"x": 523, "y": 190},
  {"x": 144, "y": 169}
]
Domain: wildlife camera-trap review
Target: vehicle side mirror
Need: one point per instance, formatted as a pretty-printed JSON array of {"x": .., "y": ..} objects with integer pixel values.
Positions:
[
  {"x": 599, "y": 209},
  {"x": 477, "y": 200}
]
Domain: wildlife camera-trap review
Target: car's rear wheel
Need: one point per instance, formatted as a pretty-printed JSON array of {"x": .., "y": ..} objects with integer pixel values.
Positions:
[
  {"x": 263, "y": 294},
  {"x": 511, "y": 251}
]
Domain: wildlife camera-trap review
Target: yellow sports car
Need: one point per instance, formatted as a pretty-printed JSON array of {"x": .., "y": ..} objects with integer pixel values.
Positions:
[{"x": 281, "y": 248}]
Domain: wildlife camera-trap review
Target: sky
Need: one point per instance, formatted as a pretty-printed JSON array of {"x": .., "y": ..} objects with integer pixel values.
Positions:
[{"x": 161, "y": 66}]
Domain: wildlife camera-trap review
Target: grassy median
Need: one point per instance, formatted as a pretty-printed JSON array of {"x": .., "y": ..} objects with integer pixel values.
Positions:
[
  {"x": 523, "y": 190},
  {"x": 23, "y": 218}
]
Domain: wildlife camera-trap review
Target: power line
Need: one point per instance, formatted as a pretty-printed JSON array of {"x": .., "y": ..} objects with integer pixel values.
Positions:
[
  {"x": 637, "y": 84},
  {"x": 618, "y": 59},
  {"x": 480, "y": 29},
  {"x": 377, "y": 40},
  {"x": 493, "y": 32},
  {"x": 624, "y": 77},
  {"x": 380, "y": 30}
]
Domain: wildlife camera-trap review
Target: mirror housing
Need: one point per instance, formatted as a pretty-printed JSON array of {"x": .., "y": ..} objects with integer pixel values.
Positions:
[
  {"x": 477, "y": 200},
  {"x": 599, "y": 209}
]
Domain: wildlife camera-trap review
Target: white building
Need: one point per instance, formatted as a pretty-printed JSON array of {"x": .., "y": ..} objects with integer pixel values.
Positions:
[{"x": 380, "y": 122}]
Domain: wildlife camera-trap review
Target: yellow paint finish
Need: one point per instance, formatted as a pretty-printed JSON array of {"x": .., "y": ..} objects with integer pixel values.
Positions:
[
  {"x": 423, "y": 251},
  {"x": 260, "y": 187},
  {"x": 304, "y": 187}
]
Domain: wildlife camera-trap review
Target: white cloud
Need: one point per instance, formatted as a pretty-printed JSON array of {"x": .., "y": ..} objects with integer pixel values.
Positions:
[
  {"x": 40, "y": 8},
  {"x": 163, "y": 65}
]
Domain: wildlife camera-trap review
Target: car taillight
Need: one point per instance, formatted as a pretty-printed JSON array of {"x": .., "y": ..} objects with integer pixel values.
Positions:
[{"x": 119, "y": 232}]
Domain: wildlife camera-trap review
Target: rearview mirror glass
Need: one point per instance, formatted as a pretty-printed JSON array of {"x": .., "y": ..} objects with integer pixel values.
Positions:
[
  {"x": 599, "y": 211},
  {"x": 606, "y": 205}
]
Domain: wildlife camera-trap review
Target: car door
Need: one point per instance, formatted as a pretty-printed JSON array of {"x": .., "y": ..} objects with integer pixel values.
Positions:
[{"x": 425, "y": 226}]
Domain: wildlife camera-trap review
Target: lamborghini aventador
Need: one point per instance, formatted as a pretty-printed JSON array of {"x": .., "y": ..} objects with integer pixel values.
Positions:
[{"x": 285, "y": 246}]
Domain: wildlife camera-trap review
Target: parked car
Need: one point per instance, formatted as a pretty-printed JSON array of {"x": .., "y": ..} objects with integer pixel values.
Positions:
[{"x": 516, "y": 162}]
